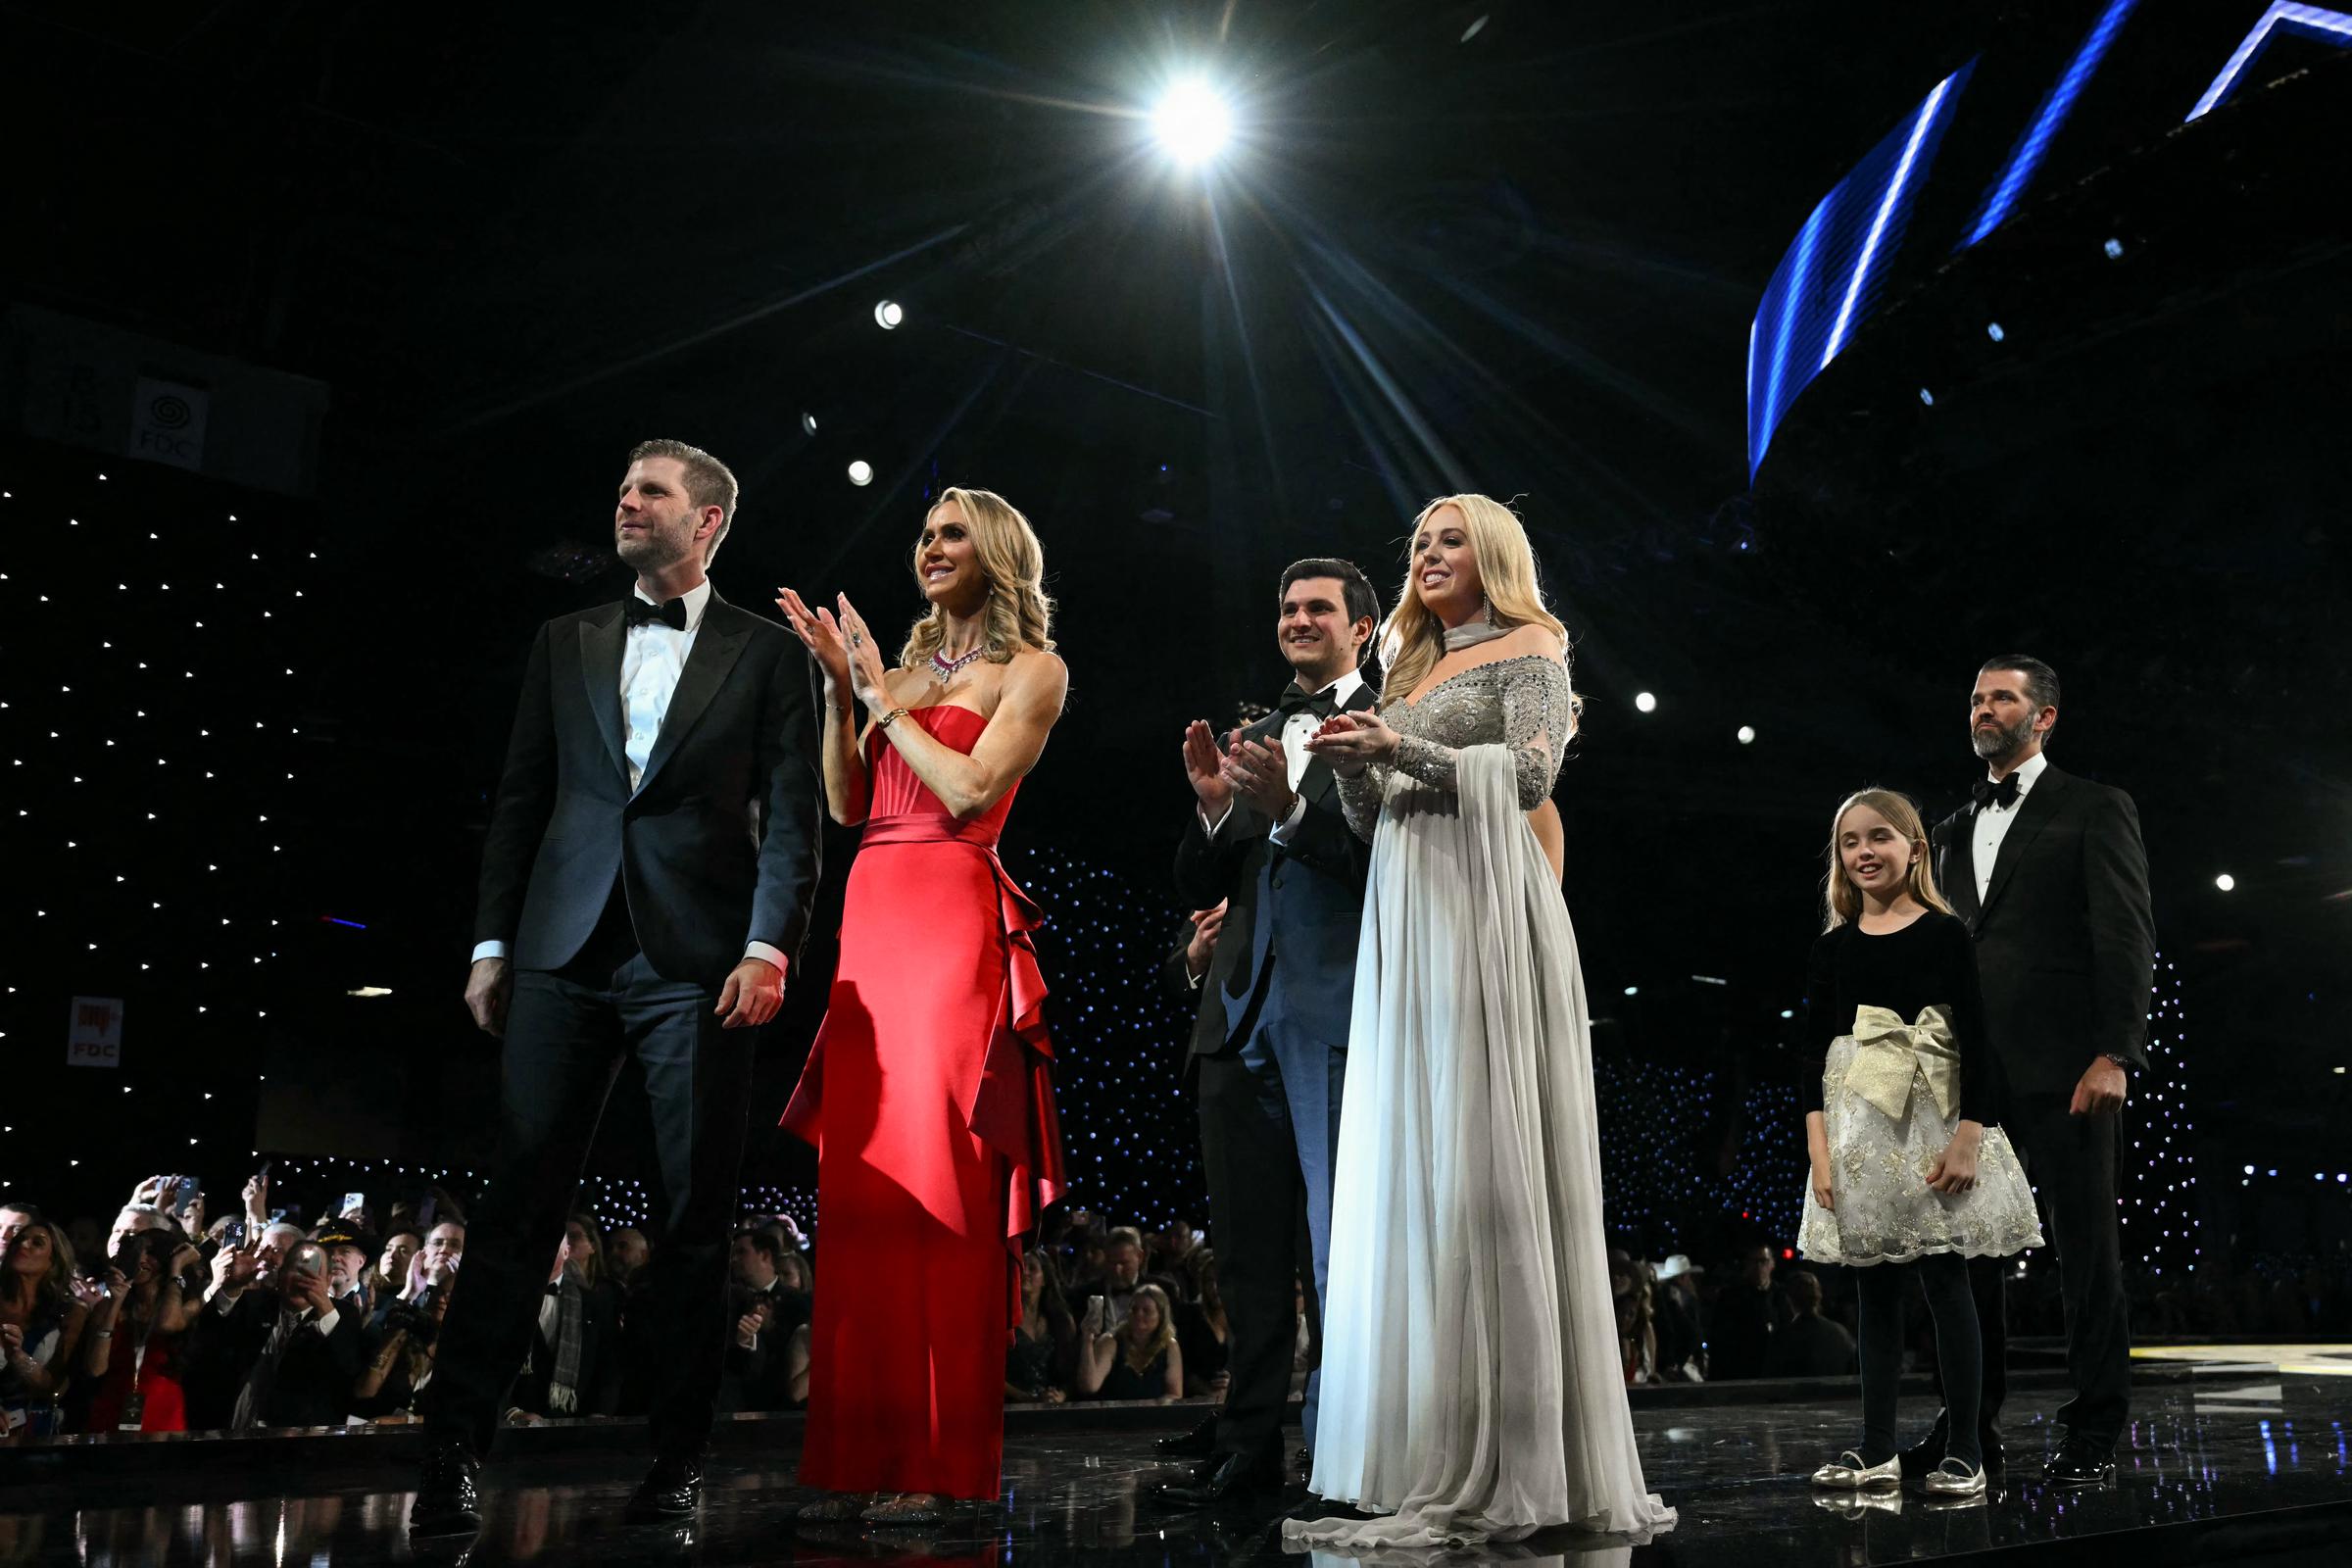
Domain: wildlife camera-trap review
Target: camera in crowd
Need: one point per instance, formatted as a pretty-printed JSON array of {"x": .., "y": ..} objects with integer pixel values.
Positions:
[{"x": 414, "y": 1318}]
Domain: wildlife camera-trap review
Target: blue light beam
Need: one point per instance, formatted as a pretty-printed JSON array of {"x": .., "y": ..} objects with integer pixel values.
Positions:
[
  {"x": 1887, "y": 205},
  {"x": 2334, "y": 25},
  {"x": 2056, "y": 104}
]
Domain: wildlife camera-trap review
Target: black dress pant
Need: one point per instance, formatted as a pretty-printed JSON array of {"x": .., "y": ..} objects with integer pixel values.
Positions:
[
  {"x": 2075, "y": 1166},
  {"x": 567, "y": 1032},
  {"x": 1266, "y": 1141}
]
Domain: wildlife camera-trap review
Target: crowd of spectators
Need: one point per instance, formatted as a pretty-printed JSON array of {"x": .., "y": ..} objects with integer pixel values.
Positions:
[
  {"x": 166, "y": 1322},
  {"x": 171, "y": 1322}
]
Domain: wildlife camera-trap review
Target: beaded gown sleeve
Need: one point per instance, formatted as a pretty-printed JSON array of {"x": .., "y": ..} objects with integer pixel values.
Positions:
[{"x": 1523, "y": 703}]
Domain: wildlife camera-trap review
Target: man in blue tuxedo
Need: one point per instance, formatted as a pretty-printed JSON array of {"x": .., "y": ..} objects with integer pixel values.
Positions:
[{"x": 1270, "y": 1048}]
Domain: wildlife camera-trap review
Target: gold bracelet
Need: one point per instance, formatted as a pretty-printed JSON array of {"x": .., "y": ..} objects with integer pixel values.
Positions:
[{"x": 890, "y": 718}]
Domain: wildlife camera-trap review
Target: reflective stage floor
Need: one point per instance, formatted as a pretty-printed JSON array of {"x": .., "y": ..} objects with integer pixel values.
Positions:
[{"x": 2237, "y": 1462}]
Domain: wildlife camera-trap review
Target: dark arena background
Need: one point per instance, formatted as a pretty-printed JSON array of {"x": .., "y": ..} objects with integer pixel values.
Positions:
[{"x": 1826, "y": 349}]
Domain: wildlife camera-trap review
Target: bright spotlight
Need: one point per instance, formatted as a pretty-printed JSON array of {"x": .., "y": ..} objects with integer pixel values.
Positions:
[
  {"x": 1192, "y": 123},
  {"x": 887, "y": 314},
  {"x": 808, "y": 422},
  {"x": 861, "y": 472},
  {"x": 2225, "y": 882},
  {"x": 1645, "y": 702},
  {"x": 1747, "y": 734}
]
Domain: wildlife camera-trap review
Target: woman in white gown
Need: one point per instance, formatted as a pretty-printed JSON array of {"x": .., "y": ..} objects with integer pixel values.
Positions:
[{"x": 1472, "y": 1390}]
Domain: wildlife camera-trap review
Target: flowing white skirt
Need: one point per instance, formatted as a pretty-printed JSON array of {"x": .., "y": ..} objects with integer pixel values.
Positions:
[{"x": 1471, "y": 1383}]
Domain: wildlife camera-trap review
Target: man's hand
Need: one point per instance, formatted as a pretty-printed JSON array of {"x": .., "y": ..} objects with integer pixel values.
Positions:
[
  {"x": 2101, "y": 1090},
  {"x": 753, "y": 991},
  {"x": 313, "y": 1292},
  {"x": 748, "y": 1326},
  {"x": 1203, "y": 769},
  {"x": 489, "y": 987},
  {"x": 233, "y": 1268},
  {"x": 1261, "y": 775},
  {"x": 257, "y": 1200},
  {"x": 1207, "y": 924}
]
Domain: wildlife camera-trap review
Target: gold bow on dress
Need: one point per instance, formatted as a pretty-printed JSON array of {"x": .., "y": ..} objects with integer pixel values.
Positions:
[{"x": 1889, "y": 1053}]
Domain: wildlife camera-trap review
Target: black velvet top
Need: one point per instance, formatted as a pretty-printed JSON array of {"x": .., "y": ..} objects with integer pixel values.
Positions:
[{"x": 1930, "y": 962}]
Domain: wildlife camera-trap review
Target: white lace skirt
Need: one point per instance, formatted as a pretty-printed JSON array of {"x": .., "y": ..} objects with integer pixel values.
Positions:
[{"x": 1879, "y": 1167}]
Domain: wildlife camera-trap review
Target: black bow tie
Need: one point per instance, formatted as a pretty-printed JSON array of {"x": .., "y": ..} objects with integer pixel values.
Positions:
[
  {"x": 671, "y": 614},
  {"x": 1987, "y": 792},
  {"x": 1322, "y": 704}
]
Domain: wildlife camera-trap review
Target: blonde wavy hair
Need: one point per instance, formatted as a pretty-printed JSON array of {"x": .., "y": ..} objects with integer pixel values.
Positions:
[
  {"x": 1413, "y": 639},
  {"x": 1841, "y": 898},
  {"x": 1019, "y": 614},
  {"x": 1141, "y": 1356}
]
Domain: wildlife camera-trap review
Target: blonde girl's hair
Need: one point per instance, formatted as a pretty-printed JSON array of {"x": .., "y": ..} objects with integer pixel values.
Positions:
[
  {"x": 1413, "y": 639},
  {"x": 1019, "y": 614},
  {"x": 1141, "y": 1356},
  {"x": 1841, "y": 900}
]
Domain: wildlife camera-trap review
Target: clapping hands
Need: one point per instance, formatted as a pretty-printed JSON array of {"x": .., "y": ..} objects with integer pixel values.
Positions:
[
  {"x": 843, "y": 647},
  {"x": 1352, "y": 742}
]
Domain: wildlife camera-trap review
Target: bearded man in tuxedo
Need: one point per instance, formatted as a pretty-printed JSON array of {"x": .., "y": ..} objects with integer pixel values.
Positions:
[
  {"x": 2049, "y": 872},
  {"x": 645, "y": 886}
]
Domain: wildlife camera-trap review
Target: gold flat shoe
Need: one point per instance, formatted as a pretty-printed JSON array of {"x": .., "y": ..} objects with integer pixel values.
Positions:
[{"x": 1847, "y": 1473}]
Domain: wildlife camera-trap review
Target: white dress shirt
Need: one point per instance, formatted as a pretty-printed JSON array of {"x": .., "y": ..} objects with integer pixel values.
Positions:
[
  {"x": 651, "y": 661},
  {"x": 1297, "y": 730},
  {"x": 1993, "y": 821}
]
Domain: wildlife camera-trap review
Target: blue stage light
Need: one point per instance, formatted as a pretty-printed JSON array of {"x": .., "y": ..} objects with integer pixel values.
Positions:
[
  {"x": 1886, "y": 209},
  {"x": 2056, "y": 104},
  {"x": 2335, "y": 26}
]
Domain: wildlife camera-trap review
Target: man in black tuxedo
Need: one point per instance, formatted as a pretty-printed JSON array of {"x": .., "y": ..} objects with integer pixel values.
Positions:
[
  {"x": 286, "y": 1353},
  {"x": 645, "y": 882},
  {"x": 2049, "y": 872},
  {"x": 1269, "y": 1044}
]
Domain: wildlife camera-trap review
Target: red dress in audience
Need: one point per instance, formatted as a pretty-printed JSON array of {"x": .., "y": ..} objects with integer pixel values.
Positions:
[
  {"x": 928, "y": 1097},
  {"x": 163, "y": 1404}
]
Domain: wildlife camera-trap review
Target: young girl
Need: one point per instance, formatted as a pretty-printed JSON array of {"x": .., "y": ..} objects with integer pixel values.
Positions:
[{"x": 1906, "y": 1179}]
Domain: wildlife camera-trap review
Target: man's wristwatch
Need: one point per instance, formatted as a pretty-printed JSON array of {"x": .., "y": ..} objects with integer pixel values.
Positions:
[{"x": 2119, "y": 1058}]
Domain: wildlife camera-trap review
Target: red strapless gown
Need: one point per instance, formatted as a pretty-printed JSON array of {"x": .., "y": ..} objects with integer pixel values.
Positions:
[{"x": 928, "y": 1097}]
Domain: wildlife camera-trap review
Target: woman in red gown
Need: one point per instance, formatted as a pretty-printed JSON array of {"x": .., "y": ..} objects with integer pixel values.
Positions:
[{"x": 927, "y": 1092}]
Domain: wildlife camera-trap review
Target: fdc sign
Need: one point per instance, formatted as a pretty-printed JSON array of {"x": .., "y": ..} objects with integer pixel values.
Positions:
[{"x": 94, "y": 1035}]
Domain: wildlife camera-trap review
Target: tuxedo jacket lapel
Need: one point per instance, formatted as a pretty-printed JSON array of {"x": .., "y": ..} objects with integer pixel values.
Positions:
[
  {"x": 1960, "y": 868},
  {"x": 601, "y": 643},
  {"x": 716, "y": 646},
  {"x": 2040, "y": 803}
]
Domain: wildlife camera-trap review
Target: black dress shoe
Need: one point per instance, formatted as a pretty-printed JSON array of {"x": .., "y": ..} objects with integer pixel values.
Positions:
[
  {"x": 1199, "y": 1444},
  {"x": 1227, "y": 1477},
  {"x": 1927, "y": 1452},
  {"x": 2080, "y": 1462},
  {"x": 671, "y": 1490},
  {"x": 1930, "y": 1450},
  {"x": 446, "y": 1504}
]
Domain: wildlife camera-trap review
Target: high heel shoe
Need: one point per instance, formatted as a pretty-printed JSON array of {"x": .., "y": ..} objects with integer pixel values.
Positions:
[{"x": 1842, "y": 1476}]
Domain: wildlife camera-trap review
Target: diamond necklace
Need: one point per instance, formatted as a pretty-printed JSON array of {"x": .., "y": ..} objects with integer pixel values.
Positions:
[{"x": 945, "y": 668}]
